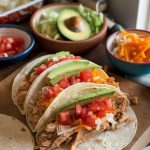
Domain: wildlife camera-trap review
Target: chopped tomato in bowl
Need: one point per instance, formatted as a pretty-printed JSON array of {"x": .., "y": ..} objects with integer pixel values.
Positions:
[
  {"x": 10, "y": 46},
  {"x": 15, "y": 43}
]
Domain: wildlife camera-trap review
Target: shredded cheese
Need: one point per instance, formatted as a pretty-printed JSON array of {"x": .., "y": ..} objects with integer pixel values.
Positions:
[{"x": 132, "y": 47}]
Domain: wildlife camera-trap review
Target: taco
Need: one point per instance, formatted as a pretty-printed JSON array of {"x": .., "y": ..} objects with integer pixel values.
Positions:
[
  {"x": 31, "y": 71},
  {"x": 54, "y": 80},
  {"x": 83, "y": 116}
]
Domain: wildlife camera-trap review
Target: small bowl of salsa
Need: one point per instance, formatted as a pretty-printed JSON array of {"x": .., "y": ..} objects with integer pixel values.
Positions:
[{"x": 15, "y": 43}]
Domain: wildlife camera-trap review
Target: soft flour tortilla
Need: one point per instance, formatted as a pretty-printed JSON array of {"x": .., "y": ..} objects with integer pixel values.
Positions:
[
  {"x": 14, "y": 135},
  {"x": 109, "y": 140},
  {"x": 112, "y": 140},
  {"x": 19, "y": 79},
  {"x": 69, "y": 94},
  {"x": 33, "y": 93}
]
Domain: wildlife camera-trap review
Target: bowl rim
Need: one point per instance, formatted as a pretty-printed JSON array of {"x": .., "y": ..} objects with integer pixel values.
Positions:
[
  {"x": 113, "y": 34},
  {"x": 63, "y": 41},
  {"x": 26, "y": 50}
]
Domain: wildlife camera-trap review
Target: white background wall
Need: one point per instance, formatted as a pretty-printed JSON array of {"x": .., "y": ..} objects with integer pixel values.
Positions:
[{"x": 143, "y": 16}]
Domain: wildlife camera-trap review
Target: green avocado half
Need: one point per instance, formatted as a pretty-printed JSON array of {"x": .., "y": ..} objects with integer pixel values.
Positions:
[
  {"x": 65, "y": 15},
  {"x": 86, "y": 98},
  {"x": 68, "y": 69}
]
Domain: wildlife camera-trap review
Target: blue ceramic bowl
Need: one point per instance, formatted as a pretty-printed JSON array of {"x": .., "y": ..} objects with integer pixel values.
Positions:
[
  {"x": 17, "y": 31},
  {"x": 124, "y": 66}
]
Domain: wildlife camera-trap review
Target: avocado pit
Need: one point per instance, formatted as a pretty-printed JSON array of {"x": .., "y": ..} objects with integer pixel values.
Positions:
[{"x": 75, "y": 24}]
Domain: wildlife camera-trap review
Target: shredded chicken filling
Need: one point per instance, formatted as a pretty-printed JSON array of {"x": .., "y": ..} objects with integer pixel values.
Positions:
[{"x": 22, "y": 92}]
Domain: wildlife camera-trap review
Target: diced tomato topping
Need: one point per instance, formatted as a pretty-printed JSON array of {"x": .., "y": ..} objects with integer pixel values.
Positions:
[
  {"x": 65, "y": 118},
  {"x": 4, "y": 19},
  {"x": 84, "y": 112},
  {"x": 64, "y": 83},
  {"x": 70, "y": 57},
  {"x": 4, "y": 39},
  {"x": 74, "y": 79},
  {"x": 94, "y": 106},
  {"x": 11, "y": 53},
  {"x": 78, "y": 110},
  {"x": 56, "y": 89},
  {"x": 10, "y": 40},
  {"x": 51, "y": 63},
  {"x": 101, "y": 104},
  {"x": 11, "y": 46},
  {"x": 52, "y": 91},
  {"x": 63, "y": 59},
  {"x": 87, "y": 113},
  {"x": 19, "y": 49},
  {"x": 91, "y": 114},
  {"x": 89, "y": 121},
  {"x": 3, "y": 47},
  {"x": 8, "y": 46},
  {"x": 1, "y": 54},
  {"x": 108, "y": 103},
  {"x": 49, "y": 93},
  {"x": 77, "y": 57},
  {"x": 17, "y": 42},
  {"x": 100, "y": 114},
  {"x": 40, "y": 69},
  {"x": 86, "y": 76}
]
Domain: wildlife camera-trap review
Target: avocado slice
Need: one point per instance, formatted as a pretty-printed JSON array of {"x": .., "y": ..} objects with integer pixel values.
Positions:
[
  {"x": 64, "y": 29},
  {"x": 59, "y": 54},
  {"x": 68, "y": 69},
  {"x": 84, "y": 99}
]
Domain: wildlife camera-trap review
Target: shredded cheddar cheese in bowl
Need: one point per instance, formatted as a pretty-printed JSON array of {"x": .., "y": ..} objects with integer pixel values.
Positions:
[{"x": 132, "y": 47}]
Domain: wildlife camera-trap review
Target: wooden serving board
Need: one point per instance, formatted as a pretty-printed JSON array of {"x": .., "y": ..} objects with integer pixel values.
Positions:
[{"x": 142, "y": 110}]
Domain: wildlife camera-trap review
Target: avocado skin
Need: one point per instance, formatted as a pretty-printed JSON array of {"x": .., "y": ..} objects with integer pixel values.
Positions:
[
  {"x": 82, "y": 99},
  {"x": 68, "y": 69},
  {"x": 59, "y": 54},
  {"x": 69, "y": 34}
]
